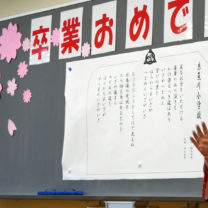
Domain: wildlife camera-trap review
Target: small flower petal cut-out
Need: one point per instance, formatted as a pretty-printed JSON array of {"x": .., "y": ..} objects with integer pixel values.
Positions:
[
  {"x": 11, "y": 127},
  {"x": 26, "y": 44},
  {"x": 86, "y": 50},
  {"x": 55, "y": 37},
  {"x": 27, "y": 95},
  {"x": 12, "y": 87},
  {"x": 22, "y": 69}
]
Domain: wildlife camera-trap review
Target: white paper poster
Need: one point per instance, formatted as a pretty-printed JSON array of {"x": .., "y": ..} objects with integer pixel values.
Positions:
[
  {"x": 178, "y": 21},
  {"x": 139, "y": 23},
  {"x": 40, "y": 40},
  {"x": 206, "y": 20},
  {"x": 103, "y": 28},
  {"x": 70, "y": 33},
  {"x": 128, "y": 120}
]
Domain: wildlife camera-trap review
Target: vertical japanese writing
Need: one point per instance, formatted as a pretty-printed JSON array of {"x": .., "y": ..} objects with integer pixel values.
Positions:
[
  {"x": 121, "y": 101},
  {"x": 188, "y": 149},
  {"x": 109, "y": 90},
  {"x": 118, "y": 91},
  {"x": 169, "y": 94},
  {"x": 191, "y": 152},
  {"x": 162, "y": 86},
  {"x": 185, "y": 148},
  {"x": 98, "y": 99},
  {"x": 115, "y": 90},
  {"x": 104, "y": 97},
  {"x": 175, "y": 85},
  {"x": 133, "y": 109},
  {"x": 150, "y": 90},
  {"x": 181, "y": 93},
  {"x": 127, "y": 90},
  {"x": 165, "y": 86},
  {"x": 145, "y": 84},
  {"x": 157, "y": 82},
  {"x": 198, "y": 91}
]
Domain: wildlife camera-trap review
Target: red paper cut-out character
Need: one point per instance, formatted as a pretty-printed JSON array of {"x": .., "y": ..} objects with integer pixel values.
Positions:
[
  {"x": 71, "y": 37},
  {"x": 39, "y": 43},
  {"x": 178, "y": 4},
  {"x": 138, "y": 19},
  {"x": 101, "y": 32}
]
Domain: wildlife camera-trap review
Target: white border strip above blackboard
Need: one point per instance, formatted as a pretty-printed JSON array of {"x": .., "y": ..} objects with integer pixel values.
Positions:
[{"x": 43, "y": 10}]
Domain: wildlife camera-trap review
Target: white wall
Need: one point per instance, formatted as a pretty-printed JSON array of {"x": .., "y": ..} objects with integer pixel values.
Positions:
[{"x": 14, "y": 7}]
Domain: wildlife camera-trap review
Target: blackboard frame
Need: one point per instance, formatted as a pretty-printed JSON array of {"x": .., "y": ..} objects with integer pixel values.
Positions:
[{"x": 31, "y": 160}]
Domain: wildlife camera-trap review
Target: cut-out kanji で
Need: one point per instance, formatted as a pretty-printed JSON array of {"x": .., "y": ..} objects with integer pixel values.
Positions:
[{"x": 178, "y": 5}]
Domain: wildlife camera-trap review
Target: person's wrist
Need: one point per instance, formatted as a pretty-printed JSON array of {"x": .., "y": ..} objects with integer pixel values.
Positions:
[{"x": 206, "y": 162}]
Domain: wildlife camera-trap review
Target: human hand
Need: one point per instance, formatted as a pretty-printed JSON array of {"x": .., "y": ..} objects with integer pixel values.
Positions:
[{"x": 200, "y": 140}]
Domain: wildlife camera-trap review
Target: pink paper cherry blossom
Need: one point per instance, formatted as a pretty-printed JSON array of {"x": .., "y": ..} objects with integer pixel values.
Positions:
[
  {"x": 86, "y": 50},
  {"x": 27, "y": 95},
  {"x": 55, "y": 37},
  {"x": 26, "y": 44},
  {"x": 12, "y": 86},
  {"x": 22, "y": 69},
  {"x": 11, "y": 127},
  {"x": 10, "y": 42}
]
